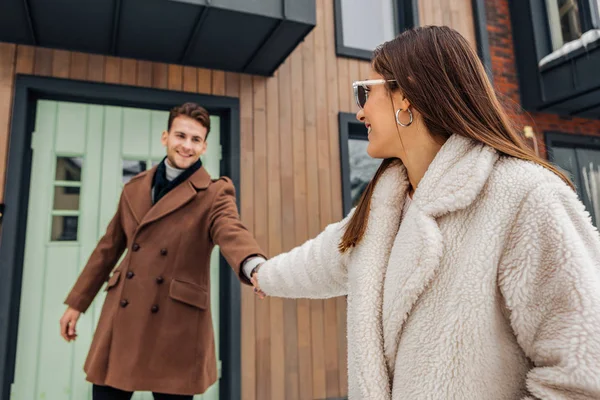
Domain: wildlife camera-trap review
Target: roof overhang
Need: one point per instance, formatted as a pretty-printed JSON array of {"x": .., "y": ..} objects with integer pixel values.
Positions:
[{"x": 252, "y": 37}]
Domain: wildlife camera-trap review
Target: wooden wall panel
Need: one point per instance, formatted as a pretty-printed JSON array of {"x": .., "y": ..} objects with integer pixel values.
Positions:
[{"x": 457, "y": 14}]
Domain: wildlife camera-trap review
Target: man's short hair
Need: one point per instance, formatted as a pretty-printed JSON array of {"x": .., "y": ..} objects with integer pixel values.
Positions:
[{"x": 191, "y": 110}]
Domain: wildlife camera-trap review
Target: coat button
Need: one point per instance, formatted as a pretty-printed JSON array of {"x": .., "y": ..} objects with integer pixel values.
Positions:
[
  {"x": 130, "y": 274},
  {"x": 154, "y": 309},
  {"x": 160, "y": 280},
  {"x": 124, "y": 303},
  {"x": 163, "y": 252},
  {"x": 135, "y": 247}
]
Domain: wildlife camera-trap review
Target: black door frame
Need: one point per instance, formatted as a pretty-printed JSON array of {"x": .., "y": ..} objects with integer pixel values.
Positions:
[{"x": 29, "y": 89}]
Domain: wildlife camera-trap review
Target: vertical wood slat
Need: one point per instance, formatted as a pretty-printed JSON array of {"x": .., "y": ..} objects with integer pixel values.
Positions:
[
  {"x": 274, "y": 217},
  {"x": 8, "y": 54},
  {"x": 205, "y": 81},
  {"x": 79, "y": 65},
  {"x": 25, "y": 59},
  {"x": 190, "y": 79},
  {"x": 128, "y": 72},
  {"x": 458, "y": 14},
  {"x": 353, "y": 75},
  {"x": 218, "y": 83},
  {"x": 263, "y": 325},
  {"x": 61, "y": 63},
  {"x": 144, "y": 73},
  {"x": 43, "y": 61},
  {"x": 112, "y": 70},
  {"x": 317, "y": 307},
  {"x": 175, "y": 80},
  {"x": 300, "y": 222},
  {"x": 305, "y": 307},
  {"x": 96, "y": 68},
  {"x": 330, "y": 305},
  {"x": 286, "y": 108},
  {"x": 248, "y": 334},
  {"x": 160, "y": 76},
  {"x": 232, "y": 84}
]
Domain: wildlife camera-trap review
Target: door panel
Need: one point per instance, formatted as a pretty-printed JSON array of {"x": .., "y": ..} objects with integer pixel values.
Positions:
[{"x": 80, "y": 156}]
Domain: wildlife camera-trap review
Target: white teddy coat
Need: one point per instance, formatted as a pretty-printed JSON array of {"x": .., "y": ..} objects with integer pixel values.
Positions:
[{"x": 490, "y": 289}]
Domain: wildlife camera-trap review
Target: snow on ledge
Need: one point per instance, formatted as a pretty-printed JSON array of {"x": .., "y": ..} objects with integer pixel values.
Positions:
[{"x": 584, "y": 41}]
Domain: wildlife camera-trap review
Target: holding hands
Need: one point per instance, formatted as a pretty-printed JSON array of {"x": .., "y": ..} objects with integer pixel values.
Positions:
[{"x": 254, "y": 280}]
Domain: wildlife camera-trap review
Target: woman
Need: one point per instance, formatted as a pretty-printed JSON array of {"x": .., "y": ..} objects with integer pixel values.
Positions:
[{"x": 471, "y": 267}]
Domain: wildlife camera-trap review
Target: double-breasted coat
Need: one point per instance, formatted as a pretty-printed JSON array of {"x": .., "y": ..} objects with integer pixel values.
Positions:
[{"x": 155, "y": 331}]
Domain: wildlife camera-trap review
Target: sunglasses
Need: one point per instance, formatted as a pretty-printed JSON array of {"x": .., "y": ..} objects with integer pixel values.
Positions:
[{"x": 361, "y": 89}]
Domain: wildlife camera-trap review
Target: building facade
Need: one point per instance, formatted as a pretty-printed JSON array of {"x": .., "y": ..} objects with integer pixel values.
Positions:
[{"x": 81, "y": 112}]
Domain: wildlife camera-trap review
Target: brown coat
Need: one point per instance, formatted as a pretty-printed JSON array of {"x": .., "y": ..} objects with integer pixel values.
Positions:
[{"x": 155, "y": 332}]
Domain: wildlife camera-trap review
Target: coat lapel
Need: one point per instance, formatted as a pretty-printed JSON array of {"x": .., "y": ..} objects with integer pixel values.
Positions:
[
  {"x": 369, "y": 260},
  {"x": 452, "y": 182},
  {"x": 139, "y": 196}
]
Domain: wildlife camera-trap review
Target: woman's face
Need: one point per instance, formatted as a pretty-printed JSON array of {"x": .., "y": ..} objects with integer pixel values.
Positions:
[{"x": 386, "y": 137}]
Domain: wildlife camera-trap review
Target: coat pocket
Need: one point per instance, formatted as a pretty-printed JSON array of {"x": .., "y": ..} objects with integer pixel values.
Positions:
[
  {"x": 189, "y": 293},
  {"x": 113, "y": 280}
]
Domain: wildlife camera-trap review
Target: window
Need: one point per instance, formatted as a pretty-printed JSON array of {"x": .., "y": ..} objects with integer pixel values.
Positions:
[
  {"x": 67, "y": 190},
  {"x": 361, "y": 26},
  {"x": 132, "y": 168},
  {"x": 579, "y": 157},
  {"x": 564, "y": 21},
  {"x": 357, "y": 166}
]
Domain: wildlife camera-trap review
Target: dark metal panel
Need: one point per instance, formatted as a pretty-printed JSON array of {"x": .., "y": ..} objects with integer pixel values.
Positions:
[
  {"x": 14, "y": 23},
  {"x": 155, "y": 29},
  {"x": 304, "y": 11},
  {"x": 273, "y": 52},
  {"x": 526, "y": 50},
  {"x": 592, "y": 113},
  {"x": 575, "y": 104},
  {"x": 228, "y": 39},
  {"x": 265, "y": 8},
  {"x": 27, "y": 91},
  {"x": 481, "y": 33},
  {"x": 74, "y": 25},
  {"x": 557, "y": 83},
  {"x": 587, "y": 68}
]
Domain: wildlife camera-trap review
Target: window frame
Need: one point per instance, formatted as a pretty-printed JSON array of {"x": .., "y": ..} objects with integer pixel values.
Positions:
[
  {"x": 553, "y": 139},
  {"x": 350, "y": 128},
  {"x": 407, "y": 17}
]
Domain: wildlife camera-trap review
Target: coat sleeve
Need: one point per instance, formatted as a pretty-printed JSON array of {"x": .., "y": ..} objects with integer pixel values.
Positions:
[
  {"x": 100, "y": 263},
  {"x": 227, "y": 231},
  {"x": 550, "y": 279},
  {"x": 315, "y": 269}
]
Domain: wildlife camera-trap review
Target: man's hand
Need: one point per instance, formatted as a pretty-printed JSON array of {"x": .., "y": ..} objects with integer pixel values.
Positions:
[
  {"x": 254, "y": 280},
  {"x": 68, "y": 323}
]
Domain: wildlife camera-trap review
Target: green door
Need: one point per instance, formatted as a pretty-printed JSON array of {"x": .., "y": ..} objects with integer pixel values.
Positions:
[{"x": 82, "y": 156}]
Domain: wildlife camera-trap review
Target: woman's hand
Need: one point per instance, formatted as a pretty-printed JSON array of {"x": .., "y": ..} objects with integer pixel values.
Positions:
[{"x": 254, "y": 280}]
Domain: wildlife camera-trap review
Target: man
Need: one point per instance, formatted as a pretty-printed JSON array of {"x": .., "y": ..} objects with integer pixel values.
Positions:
[{"x": 155, "y": 331}]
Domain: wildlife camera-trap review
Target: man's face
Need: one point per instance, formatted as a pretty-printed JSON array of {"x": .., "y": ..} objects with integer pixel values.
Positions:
[{"x": 185, "y": 142}]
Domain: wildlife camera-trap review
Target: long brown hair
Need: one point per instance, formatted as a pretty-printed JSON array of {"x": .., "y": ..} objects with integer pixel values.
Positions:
[{"x": 438, "y": 71}]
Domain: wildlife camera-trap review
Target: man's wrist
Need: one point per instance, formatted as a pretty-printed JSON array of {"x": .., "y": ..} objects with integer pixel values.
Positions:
[{"x": 250, "y": 265}]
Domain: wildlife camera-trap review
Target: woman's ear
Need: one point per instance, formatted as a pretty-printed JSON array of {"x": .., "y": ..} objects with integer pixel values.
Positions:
[{"x": 400, "y": 101}]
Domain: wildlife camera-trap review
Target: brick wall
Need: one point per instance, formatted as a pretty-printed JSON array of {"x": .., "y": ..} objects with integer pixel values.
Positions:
[{"x": 507, "y": 84}]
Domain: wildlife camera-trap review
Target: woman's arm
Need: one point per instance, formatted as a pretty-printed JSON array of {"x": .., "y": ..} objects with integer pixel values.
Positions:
[
  {"x": 550, "y": 279},
  {"x": 314, "y": 270}
]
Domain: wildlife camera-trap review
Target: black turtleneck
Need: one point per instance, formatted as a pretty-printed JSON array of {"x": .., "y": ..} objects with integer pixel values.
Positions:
[{"x": 161, "y": 185}]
